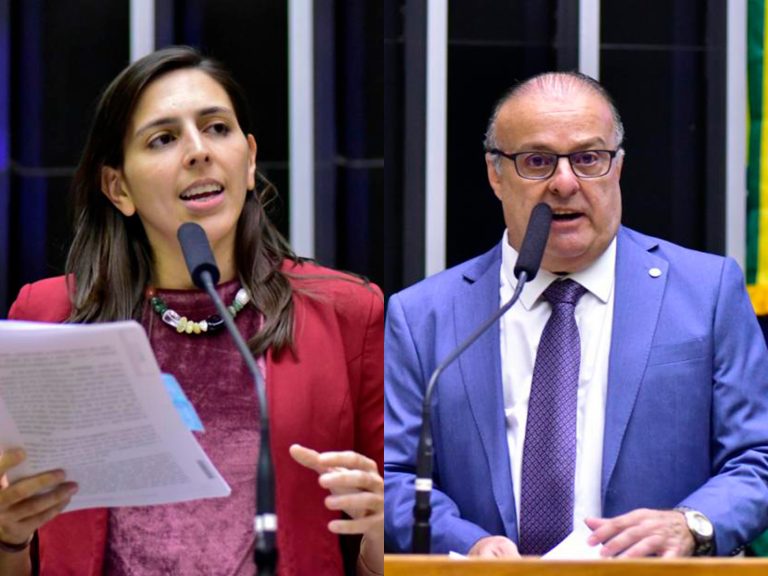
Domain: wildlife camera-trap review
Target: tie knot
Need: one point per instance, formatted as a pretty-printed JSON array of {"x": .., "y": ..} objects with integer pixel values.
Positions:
[{"x": 564, "y": 292}]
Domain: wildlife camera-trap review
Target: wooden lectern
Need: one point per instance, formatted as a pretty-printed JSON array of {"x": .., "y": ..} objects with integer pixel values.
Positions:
[{"x": 407, "y": 565}]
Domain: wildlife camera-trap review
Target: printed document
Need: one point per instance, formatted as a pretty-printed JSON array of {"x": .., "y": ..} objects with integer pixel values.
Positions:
[{"x": 89, "y": 399}]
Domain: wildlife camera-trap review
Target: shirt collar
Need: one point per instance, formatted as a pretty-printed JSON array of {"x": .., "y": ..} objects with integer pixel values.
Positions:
[{"x": 597, "y": 278}]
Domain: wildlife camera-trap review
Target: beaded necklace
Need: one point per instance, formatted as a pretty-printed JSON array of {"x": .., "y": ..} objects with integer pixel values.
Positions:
[{"x": 213, "y": 323}]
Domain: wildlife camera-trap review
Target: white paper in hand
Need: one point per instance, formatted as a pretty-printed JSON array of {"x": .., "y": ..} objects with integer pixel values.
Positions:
[{"x": 90, "y": 399}]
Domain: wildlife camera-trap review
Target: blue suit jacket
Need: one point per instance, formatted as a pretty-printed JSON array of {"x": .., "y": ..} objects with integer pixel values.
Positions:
[{"x": 686, "y": 418}]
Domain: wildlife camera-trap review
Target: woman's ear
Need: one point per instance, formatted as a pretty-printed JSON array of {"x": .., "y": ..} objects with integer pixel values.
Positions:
[
  {"x": 112, "y": 186},
  {"x": 252, "y": 148}
]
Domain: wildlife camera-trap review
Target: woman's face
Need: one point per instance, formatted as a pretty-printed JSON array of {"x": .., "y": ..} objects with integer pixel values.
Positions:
[{"x": 186, "y": 159}]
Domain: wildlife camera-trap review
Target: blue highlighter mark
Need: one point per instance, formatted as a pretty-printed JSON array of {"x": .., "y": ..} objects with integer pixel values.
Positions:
[{"x": 182, "y": 404}]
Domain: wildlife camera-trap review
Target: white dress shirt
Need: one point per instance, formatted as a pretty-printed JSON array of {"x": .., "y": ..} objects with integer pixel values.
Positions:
[{"x": 520, "y": 332}]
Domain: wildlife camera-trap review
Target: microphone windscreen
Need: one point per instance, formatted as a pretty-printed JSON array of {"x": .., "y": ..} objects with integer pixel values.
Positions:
[
  {"x": 534, "y": 242},
  {"x": 197, "y": 253}
]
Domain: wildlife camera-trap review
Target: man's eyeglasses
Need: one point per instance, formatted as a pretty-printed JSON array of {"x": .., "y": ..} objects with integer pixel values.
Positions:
[{"x": 541, "y": 165}]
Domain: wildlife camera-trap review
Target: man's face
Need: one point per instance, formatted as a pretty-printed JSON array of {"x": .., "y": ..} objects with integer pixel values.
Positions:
[{"x": 587, "y": 212}]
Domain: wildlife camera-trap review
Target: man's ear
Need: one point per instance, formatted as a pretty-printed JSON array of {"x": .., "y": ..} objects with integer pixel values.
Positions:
[
  {"x": 619, "y": 160},
  {"x": 494, "y": 178},
  {"x": 112, "y": 187}
]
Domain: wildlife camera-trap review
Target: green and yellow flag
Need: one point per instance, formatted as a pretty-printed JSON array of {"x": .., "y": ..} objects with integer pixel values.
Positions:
[
  {"x": 757, "y": 174},
  {"x": 757, "y": 159}
]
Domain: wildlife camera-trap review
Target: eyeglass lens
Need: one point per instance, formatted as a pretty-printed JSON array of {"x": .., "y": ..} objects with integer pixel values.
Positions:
[{"x": 588, "y": 163}]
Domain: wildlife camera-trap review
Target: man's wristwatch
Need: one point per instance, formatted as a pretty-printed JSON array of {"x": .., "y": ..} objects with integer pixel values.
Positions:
[{"x": 701, "y": 529}]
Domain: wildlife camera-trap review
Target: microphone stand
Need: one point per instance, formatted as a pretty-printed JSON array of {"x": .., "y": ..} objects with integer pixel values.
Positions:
[
  {"x": 527, "y": 266},
  {"x": 422, "y": 509},
  {"x": 265, "y": 522}
]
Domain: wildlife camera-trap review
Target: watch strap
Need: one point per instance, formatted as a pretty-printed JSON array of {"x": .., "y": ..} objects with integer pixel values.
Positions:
[{"x": 14, "y": 548}]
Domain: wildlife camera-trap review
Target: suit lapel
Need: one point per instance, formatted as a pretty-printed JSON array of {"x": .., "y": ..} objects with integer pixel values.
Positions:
[
  {"x": 480, "y": 367},
  {"x": 637, "y": 303}
]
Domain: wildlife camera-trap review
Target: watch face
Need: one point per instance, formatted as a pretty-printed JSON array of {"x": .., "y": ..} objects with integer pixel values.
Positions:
[{"x": 701, "y": 525}]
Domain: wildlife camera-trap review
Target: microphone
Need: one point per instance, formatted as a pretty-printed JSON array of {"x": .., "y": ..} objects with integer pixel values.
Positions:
[
  {"x": 204, "y": 272},
  {"x": 534, "y": 241},
  {"x": 197, "y": 254},
  {"x": 526, "y": 268}
]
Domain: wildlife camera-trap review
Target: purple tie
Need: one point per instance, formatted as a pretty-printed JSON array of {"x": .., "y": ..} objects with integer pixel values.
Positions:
[{"x": 549, "y": 452}]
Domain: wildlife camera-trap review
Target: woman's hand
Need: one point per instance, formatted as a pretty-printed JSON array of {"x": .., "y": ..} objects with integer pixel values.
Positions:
[
  {"x": 355, "y": 485},
  {"x": 357, "y": 489},
  {"x": 29, "y": 503}
]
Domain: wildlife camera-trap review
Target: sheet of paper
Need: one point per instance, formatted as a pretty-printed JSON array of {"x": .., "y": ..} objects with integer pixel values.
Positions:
[
  {"x": 574, "y": 546},
  {"x": 90, "y": 399}
]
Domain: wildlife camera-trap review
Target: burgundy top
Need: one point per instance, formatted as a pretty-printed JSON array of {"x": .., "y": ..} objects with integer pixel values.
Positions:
[{"x": 212, "y": 536}]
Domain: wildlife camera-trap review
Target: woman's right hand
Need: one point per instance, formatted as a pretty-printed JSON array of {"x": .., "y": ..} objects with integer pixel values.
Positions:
[{"x": 23, "y": 508}]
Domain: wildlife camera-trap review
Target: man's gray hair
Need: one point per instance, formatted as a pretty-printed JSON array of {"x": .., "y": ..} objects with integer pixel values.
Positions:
[{"x": 562, "y": 82}]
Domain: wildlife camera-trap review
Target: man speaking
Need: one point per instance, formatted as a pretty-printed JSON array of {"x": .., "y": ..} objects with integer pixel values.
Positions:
[{"x": 627, "y": 389}]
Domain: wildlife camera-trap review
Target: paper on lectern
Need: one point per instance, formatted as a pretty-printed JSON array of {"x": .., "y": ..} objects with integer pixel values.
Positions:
[{"x": 574, "y": 546}]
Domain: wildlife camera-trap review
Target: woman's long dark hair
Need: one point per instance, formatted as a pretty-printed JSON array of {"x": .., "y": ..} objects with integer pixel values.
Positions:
[{"x": 110, "y": 261}]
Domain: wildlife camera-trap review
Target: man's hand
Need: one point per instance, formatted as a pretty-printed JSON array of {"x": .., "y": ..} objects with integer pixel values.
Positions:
[
  {"x": 642, "y": 532},
  {"x": 494, "y": 547}
]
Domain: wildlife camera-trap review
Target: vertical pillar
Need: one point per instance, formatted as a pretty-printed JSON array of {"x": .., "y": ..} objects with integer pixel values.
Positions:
[
  {"x": 301, "y": 126},
  {"x": 735, "y": 147},
  {"x": 142, "y": 28},
  {"x": 589, "y": 38},
  {"x": 436, "y": 134}
]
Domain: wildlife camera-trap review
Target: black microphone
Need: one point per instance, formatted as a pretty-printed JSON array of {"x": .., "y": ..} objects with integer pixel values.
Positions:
[
  {"x": 526, "y": 268},
  {"x": 534, "y": 241},
  {"x": 197, "y": 254},
  {"x": 204, "y": 272}
]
